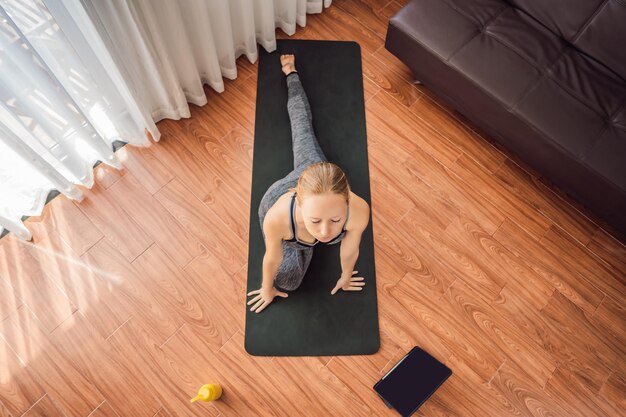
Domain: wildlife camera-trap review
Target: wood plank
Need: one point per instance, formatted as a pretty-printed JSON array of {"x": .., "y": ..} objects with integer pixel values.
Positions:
[
  {"x": 9, "y": 299},
  {"x": 517, "y": 209},
  {"x": 456, "y": 132},
  {"x": 544, "y": 201},
  {"x": 108, "y": 216},
  {"x": 481, "y": 356},
  {"x": 609, "y": 280},
  {"x": 172, "y": 287},
  {"x": 337, "y": 24},
  {"x": 135, "y": 350},
  {"x": 206, "y": 186},
  {"x": 614, "y": 391},
  {"x": 337, "y": 395},
  {"x": 45, "y": 407},
  {"x": 457, "y": 262},
  {"x": 391, "y": 81},
  {"x": 576, "y": 399},
  {"x": 158, "y": 319},
  {"x": 95, "y": 359},
  {"x": 386, "y": 170},
  {"x": 92, "y": 290},
  {"x": 481, "y": 317},
  {"x": 563, "y": 343},
  {"x": 72, "y": 225},
  {"x": 21, "y": 266},
  {"x": 404, "y": 329},
  {"x": 222, "y": 294},
  {"x": 230, "y": 167},
  {"x": 202, "y": 221},
  {"x": 233, "y": 103},
  {"x": 105, "y": 175},
  {"x": 164, "y": 413},
  {"x": 410, "y": 132},
  {"x": 19, "y": 389},
  {"x": 104, "y": 410},
  {"x": 249, "y": 86},
  {"x": 609, "y": 249},
  {"x": 469, "y": 201},
  {"x": 359, "y": 375},
  {"x": 373, "y": 17},
  {"x": 524, "y": 393},
  {"x": 611, "y": 315},
  {"x": 598, "y": 349},
  {"x": 374, "y": 5},
  {"x": 139, "y": 161},
  {"x": 203, "y": 366},
  {"x": 388, "y": 271},
  {"x": 76, "y": 395},
  {"x": 501, "y": 265},
  {"x": 466, "y": 394},
  {"x": 399, "y": 243},
  {"x": 155, "y": 220},
  {"x": 386, "y": 196},
  {"x": 549, "y": 265}
]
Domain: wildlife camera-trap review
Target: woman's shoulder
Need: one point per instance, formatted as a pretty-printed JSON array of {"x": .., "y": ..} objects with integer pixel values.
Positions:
[
  {"x": 359, "y": 213},
  {"x": 277, "y": 217}
]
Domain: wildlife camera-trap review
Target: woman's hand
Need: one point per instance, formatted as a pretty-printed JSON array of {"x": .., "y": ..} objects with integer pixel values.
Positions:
[
  {"x": 349, "y": 283},
  {"x": 264, "y": 298}
]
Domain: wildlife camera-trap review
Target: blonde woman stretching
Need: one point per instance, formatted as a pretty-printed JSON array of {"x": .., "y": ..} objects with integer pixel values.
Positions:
[{"x": 312, "y": 204}]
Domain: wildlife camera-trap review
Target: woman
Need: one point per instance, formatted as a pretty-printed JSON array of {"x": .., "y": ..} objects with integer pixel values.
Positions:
[{"x": 312, "y": 204}]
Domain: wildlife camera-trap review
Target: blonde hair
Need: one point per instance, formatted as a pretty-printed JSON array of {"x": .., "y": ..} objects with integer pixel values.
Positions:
[{"x": 321, "y": 178}]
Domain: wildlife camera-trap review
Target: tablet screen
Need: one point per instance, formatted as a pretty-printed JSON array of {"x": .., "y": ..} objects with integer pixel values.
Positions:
[{"x": 411, "y": 381}]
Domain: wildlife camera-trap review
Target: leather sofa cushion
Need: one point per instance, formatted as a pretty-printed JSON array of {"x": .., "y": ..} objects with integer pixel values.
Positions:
[
  {"x": 596, "y": 27},
  {"x": 604, "y": 37},
  {"x": 568, "y": 97}
]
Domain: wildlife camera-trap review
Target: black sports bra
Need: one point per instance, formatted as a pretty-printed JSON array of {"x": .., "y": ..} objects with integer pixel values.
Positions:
[{"x": 294, "y": 239}]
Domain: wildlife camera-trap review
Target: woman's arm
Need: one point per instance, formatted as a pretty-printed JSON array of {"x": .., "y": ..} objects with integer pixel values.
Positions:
[
  {"x": 273, "y": 250},
  {"x": 349, "y": 252}
]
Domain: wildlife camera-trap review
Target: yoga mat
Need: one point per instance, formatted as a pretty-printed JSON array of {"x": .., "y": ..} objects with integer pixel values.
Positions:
[{"x": 311, "y": 321}]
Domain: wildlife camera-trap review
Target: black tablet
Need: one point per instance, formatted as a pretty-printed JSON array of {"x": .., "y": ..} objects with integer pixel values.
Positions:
[{"x": 411, "y": 381}]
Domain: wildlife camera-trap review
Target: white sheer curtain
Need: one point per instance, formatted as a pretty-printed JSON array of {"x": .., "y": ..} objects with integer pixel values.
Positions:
[
  {"x": 183, "y": 44},
  {"x": 77, "y": 75}
]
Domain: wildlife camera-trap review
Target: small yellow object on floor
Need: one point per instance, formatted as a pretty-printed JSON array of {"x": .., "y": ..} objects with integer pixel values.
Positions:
[{"x": 208, "y": 392}]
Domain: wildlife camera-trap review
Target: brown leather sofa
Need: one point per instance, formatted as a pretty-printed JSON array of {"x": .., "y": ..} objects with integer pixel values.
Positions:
[{"x": 546, "y": 79}]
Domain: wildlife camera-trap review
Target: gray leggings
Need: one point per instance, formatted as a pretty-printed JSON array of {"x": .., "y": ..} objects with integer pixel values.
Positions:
[{"x": 306, "y": 151}]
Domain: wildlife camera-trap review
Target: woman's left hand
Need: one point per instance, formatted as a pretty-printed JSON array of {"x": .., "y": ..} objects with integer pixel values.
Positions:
[{"x": 349, "y": 283}]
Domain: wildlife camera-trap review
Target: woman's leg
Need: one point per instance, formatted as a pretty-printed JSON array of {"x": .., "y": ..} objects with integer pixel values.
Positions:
[
  {"x": 293, "y": 268},
  {"x": 306, "y": 149},
  {"x": 274, "y": 192}
]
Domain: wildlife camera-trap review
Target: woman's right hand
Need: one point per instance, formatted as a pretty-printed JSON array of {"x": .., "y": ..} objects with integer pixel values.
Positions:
[{"x": 264, "y": 298}]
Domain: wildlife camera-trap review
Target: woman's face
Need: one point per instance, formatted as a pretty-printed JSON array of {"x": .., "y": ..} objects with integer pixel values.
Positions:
[{"x": 324, "y": 215}]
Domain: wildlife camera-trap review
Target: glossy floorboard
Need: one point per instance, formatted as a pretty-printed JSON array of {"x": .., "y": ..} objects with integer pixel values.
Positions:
[{"x": 127, "y": 302}]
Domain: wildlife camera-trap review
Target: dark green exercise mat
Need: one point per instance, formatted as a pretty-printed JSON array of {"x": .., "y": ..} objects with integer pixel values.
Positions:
[{"x": 311, "y": 321}]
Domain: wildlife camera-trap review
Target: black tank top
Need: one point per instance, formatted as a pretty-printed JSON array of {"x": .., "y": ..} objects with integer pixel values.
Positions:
[{"x": 297, "y": 242}]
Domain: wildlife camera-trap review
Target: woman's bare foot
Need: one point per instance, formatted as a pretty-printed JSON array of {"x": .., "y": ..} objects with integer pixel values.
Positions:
[{"x": 288, "y": 63}]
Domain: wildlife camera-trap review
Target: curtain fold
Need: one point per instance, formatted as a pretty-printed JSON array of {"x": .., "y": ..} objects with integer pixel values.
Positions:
[{"x": 78, "y": 75}]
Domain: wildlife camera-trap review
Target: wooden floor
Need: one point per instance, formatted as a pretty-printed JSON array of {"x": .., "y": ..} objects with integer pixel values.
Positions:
[{"x": 129, "y": 301}]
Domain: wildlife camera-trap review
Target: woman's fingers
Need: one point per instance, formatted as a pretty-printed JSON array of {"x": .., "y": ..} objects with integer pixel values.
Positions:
[
  {"x": 254, "y": 292},
  {"x": 257, "y": 305},
  {"x": 357, "y": 284},
  {"x": 354, "y": 289},
  {"x": 357, "y": 279},
  {"x": 254, "y": 299},
  {"x": 355, "y": 272},
  {"x": 262, "y": 307}
]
